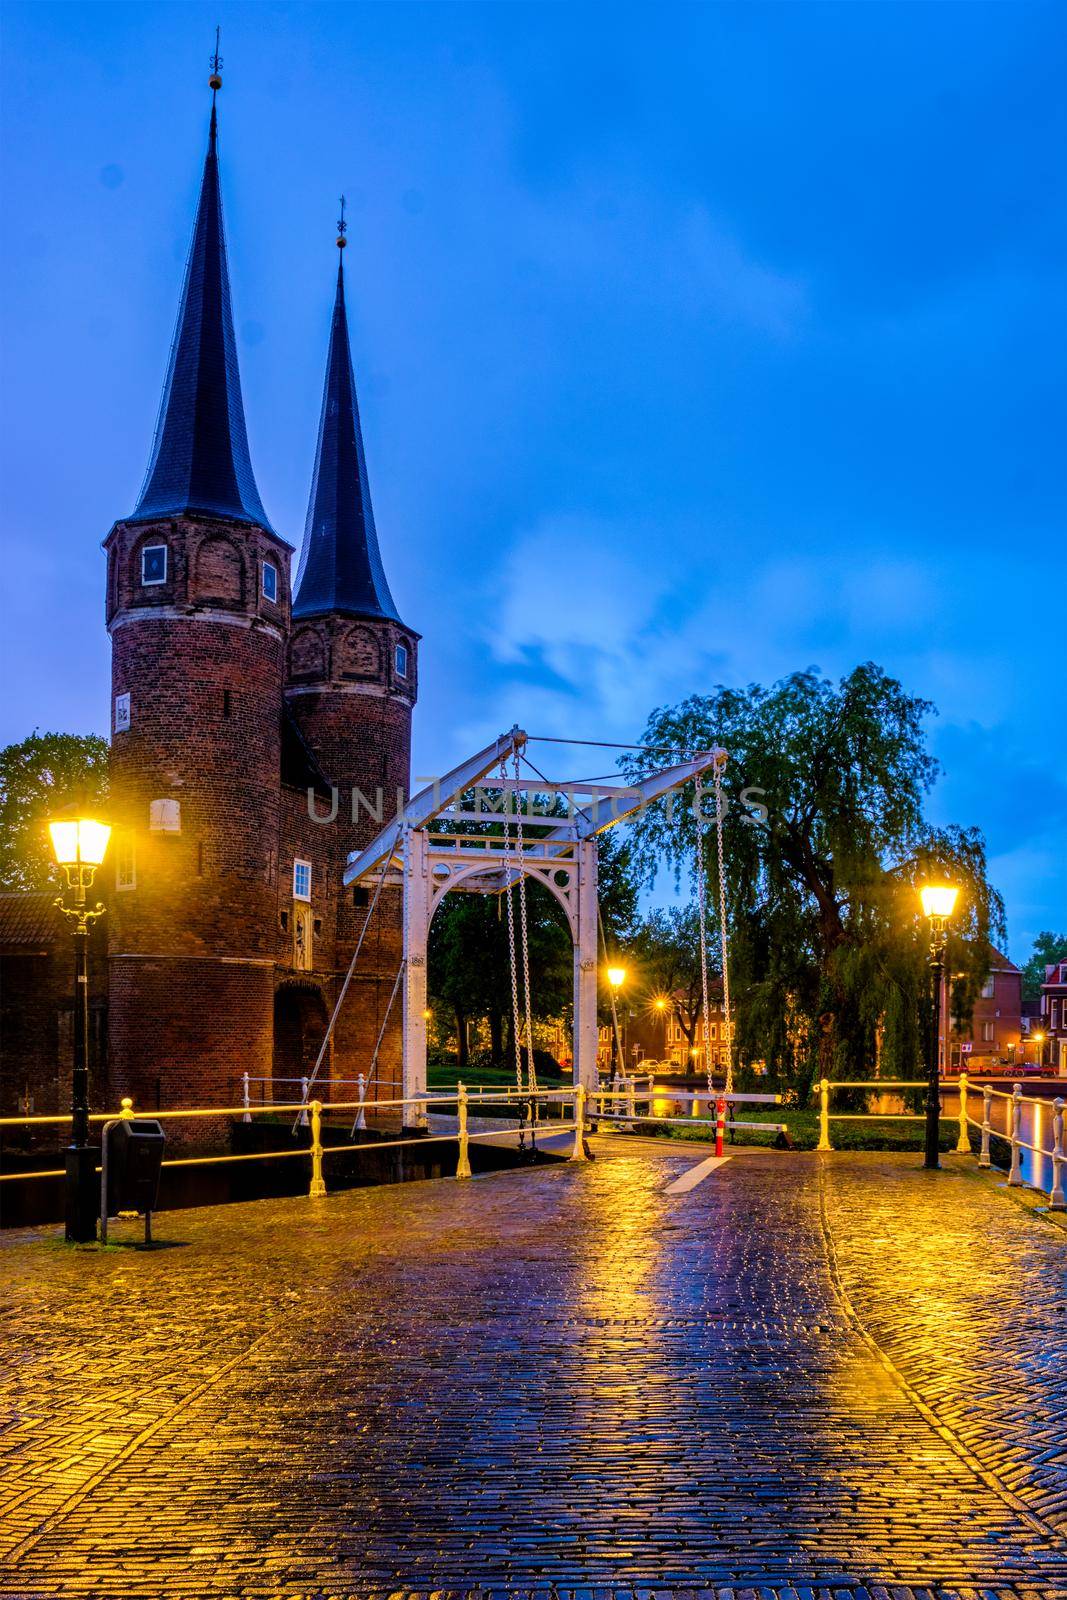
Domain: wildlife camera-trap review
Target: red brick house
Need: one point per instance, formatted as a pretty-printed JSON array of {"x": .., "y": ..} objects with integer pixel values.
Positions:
[
  {"x": 1053, "y": 1019},
  {"x": 992, "y": 1038},
  {"x": 652, "y": 1034}
]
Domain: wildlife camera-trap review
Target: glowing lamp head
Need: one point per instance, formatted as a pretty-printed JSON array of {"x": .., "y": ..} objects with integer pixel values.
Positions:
[
  {"x": 938, "y": 900},
  {"x": 616, "y": 977},
  {"x": 659, "y": 1003},
  {"x": 79, "y": 842},
  {"x": 1039, "y": 1038}
]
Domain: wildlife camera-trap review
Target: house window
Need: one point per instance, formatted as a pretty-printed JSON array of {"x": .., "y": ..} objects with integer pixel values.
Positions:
[
  {"x": 301, "y": 880},
  {"x": 125, "y": 862},
  {"x": 988, "y": 987},
  {"x": 122, "y": 713},
  {"x": 989, "y": 1032},
  {"x": 154, "y": 564},
  {"x": 401, "y": 660},
  {"x": 270, "y": 581}
]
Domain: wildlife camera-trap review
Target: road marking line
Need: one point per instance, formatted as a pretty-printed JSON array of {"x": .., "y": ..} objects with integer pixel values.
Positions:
[{"x": 695, "y": 1175}]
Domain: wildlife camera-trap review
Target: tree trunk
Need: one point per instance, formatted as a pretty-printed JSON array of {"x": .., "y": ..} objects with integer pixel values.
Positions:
[
  {"x": 496, "y": 1036},
  {"x": 462, "y": 1053}
]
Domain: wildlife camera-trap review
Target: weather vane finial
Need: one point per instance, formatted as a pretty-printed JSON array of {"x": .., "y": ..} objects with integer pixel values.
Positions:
[
  {"x": 214, "y": 83},
  {"x": 342, "y": 227}
]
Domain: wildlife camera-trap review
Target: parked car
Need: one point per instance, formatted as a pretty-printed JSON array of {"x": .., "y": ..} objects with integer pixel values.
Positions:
[{"x": 1030, "y": 1069}]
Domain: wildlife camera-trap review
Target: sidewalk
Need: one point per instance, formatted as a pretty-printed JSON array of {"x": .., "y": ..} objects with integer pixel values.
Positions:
[{"x": 835, "y": 1373}]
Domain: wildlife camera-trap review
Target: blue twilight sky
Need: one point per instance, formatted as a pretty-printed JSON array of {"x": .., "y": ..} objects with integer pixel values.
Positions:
[{"x": 695, "y": 344}]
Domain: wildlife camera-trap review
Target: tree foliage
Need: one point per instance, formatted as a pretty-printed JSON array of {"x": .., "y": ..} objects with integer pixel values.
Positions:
[
  {"x": 38, "y": 776},
  {"x": 825, "y": 842},
  {"x": 469, "y": 953},
  {"x": 1048, "y": 949},
  {"x": 666, "y": 954}
]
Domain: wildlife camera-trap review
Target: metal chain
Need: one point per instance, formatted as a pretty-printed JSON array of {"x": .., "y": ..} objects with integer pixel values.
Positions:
[
  {"x": 698, "y": 809},
  {"x": 531, "y": 1073},
  {"x": 511, "y": 950},
  {"x": 720, "y": 762}
]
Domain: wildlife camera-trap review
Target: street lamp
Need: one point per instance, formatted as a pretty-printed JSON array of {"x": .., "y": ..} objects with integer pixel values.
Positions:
[
  {"x": 79, "y": 845},
  {"x": 616, "y": 977},
  {"x": 938, "y": 903}
]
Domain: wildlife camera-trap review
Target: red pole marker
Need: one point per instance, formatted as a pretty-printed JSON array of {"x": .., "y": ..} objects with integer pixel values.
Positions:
[{"x": 720, "y": 1125}]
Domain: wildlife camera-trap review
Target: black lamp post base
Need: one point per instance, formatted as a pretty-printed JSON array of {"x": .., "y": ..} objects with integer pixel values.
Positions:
[{"x": 83, "y": 1194}]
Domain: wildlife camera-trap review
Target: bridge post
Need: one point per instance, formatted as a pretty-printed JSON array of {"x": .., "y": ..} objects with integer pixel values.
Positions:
[
  {"x": 987, "y": 1125},
  {"x": 824, "y": 1115},
  {"x": 1057, "y": 1198},
  {"x": 416, "y": 933},
  {"x": 1015, "y": 1172},
  {"x": 463, "y": 1165},
  {"x": 578, "y": 1153},
  {"x": 585, "y": 948},
  {"x": 318, "y": 1183},
  {"x": 963, "y": 1143}
]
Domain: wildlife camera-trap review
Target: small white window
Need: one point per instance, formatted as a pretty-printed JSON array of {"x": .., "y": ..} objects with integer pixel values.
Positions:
[
  {"x": 401, "y": 660},
  {"x": 165, "y": 816},
  {"x": 125, "y": 862},
  {"x": 122, "y": 713},
  {"x": 988, "y": 987},
  {"x": 301, "y": 880},
  {"x": 270, "y": 581},
  {"x": 154, "y": 564},
  {"x": 989, "y": 1032}
]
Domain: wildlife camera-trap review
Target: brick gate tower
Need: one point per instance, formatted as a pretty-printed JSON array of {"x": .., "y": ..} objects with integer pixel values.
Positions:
[
  {"x": 351, "y": 684},
  {"x": 198, "y": 612}
]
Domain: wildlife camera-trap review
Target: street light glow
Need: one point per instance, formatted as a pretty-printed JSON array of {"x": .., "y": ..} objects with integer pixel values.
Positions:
[
  {"x": 939, "y": 899},
  {"x": 616, "y": 977},
  {"x": 80, "y": 842}
]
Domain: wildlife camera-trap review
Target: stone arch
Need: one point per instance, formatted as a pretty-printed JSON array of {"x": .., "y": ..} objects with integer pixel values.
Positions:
[
  {"x": 301, "y": 1018},
  {"x": 220, "y": 572},
  {"x": 307, "y": 654},
  {"x": 359, "y": 654}
]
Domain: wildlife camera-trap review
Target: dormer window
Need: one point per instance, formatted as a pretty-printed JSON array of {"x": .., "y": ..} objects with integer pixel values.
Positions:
[
  {"x": 270, "y": 582},
  {"x": 154, "y": 564},
  {"x": 401, "y": 660}
]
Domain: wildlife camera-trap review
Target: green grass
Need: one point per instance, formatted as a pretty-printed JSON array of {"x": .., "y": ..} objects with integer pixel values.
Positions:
[{"x": 803, "y": 1125}]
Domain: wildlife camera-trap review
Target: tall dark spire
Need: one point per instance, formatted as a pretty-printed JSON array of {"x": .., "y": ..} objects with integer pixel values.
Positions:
[
  {"x": 340, "y": 564},
  {"x": 200, "y": 459}
]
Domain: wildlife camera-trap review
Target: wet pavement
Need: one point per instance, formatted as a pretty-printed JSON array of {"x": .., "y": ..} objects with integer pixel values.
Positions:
[{"x": 807, "y": 1376}]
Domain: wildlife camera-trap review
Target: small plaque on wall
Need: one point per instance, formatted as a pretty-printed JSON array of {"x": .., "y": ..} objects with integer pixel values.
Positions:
[{"x": 122, "y": 713}]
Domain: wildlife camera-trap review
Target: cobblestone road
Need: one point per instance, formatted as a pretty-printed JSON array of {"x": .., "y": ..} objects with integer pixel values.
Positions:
[{"x": 808, "y": 1376}]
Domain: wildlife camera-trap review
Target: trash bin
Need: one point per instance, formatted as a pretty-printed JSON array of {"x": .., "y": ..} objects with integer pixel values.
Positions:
[{"x": 131, "y": 1160}]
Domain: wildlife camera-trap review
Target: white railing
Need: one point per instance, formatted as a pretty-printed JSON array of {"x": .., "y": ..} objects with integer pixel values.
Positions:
[
  {"x": 318, "y": 1152},
  {"x": 607, "y": 1111},
  {"x": 1057, "y": 1155}
]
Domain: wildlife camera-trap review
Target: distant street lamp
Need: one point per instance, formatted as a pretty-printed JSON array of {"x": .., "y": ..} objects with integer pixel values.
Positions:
[
  {"x": 616, "y": 977},
  {"x": 79, "y": 845},
  {"x": 938, "y": 903}
]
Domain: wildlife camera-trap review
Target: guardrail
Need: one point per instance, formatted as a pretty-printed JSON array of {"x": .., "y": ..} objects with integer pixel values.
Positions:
[
  {"x": 317, "y": 1152},
  {"x": 694, "y": 1098},
  {"x": 1057, "y": 1155}
]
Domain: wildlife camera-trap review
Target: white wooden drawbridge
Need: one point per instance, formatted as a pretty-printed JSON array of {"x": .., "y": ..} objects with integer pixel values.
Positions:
[{"x": 438, "y": 844}]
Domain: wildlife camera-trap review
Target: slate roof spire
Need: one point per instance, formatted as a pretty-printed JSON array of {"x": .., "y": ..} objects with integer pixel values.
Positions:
[
  {"x": 340, "y": 563},
  {"x": 200, "y": 460}
]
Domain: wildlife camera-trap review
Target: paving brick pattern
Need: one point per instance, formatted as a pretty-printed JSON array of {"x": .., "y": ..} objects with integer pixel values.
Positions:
[{"x": 808, "y": 1379}]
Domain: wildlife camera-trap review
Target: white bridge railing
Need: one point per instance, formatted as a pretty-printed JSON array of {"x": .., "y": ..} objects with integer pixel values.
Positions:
[{"x": 1016, "y": 1100}]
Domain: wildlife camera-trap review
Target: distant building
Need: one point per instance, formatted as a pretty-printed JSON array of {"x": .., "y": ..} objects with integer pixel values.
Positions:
[
  {"x": 992, "y": 1039},
  {"x": 1053, "y": 1019},
  {"x": 652, "y": 1035}
]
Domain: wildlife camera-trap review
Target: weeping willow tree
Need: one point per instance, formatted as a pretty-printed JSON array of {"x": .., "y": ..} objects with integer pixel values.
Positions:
[{"x": 825, "y": 842}]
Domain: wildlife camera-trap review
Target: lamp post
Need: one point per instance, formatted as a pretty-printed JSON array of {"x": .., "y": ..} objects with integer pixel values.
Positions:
[
  {"x": 938, "y": 903},
  {"x": 616, "y": 977},
  {"x": 79, "y": 845}
]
